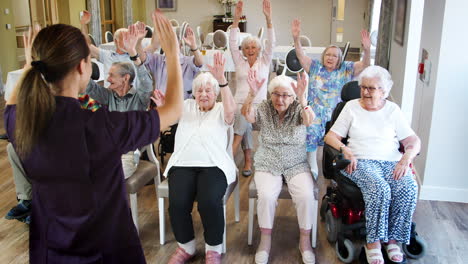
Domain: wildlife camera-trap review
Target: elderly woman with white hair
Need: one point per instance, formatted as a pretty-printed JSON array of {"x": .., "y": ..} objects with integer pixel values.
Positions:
[
  {"x": 281, "y": 154},
  {"x": 327, "y": 76},
  {"x": 252, "y": 57},
  {"x": 375, "y": 128},
  {"x": 201, "y": 167}
]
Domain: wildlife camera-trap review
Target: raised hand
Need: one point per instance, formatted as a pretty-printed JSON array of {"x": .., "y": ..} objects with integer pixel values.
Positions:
[
  {"x": 140, "y": 28},
  {"x": 238, "y": 12},
  {"x": 217, "y": 70},
  {"x": 167, "y": 36},
  {"x": 296, "y": 28},
  {"x": 158, "y": 98},
  {"x": 301, "y": 88},
  {"x": 130, "y": 39},
  {"x": 85, "y": 18},
  {"x": 190, "y": 39},
  {"x": 267, "y": 9},
  {"x": 365, "y": 40},
  {"x": 28, "y": 41},
  {"x": 254, "y": 83}
]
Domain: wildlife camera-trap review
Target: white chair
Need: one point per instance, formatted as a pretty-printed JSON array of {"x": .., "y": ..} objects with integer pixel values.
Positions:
[
  {"x": 182, "y": 34},
  {"x": 284, "y": 194},
  {"x": 91, "y": 38},
  {"x": 109, "y": 37},
  {"x": 174, "y": 22},
  {"x": 220, "y": 40},
  {"x": 345, "y": 52},
  {"x": 199, "y": 36},
  {"x": 260, "y": 33},
  {"x": 149, "y": 32},
  {"x": 305, "y": 41},
  {"x": 145, "y": 172},
  {"x": 163, "y": 192}
]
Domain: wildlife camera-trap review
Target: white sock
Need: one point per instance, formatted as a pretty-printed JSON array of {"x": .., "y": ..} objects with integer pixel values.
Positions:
[
  {"x": 312, "y": 160},
  {"x": 217, "y": 248},
  {"x": 189, "y": 247}
]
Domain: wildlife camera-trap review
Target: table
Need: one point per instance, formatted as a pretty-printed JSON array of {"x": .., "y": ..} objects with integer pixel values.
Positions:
[
  {"x": 279, "y": 52},
  {"x": 220, "y": 24},
  {"x": 111, "y": 45},
  {"x": 209, "y": 38},
  {"x": 13, "y": 78}
]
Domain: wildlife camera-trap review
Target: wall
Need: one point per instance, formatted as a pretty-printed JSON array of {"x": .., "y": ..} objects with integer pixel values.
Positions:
[
  {"x": 75, "y": 7},
  {"x": 315, "y": 16},
  {"x": 441, "y": 109},
  {"x": 8, "y": 51}
]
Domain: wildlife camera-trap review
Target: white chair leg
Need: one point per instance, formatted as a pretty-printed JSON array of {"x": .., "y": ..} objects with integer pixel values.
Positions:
[
  {"x": 224, "y": 233},
  {"x": 162, "y": 227},
  {"x": 236, "y": 202},
  {"x": 314, "y": 224},
  {"x": 251, "y": 217},
  {"x": 134, "y": 209}
]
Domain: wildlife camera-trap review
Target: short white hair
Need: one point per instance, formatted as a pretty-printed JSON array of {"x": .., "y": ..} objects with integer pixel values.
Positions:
[
  {"x": 203, "y": 79},
  {"x": 118, "y": 32},
  {"x": 249, "y": 39},
  {"x": 374, "y": 71},
  {"x": 282, "y": 81}
]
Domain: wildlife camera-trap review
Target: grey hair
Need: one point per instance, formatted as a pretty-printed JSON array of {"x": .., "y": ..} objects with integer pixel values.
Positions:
[
  {"x": 204, "y": 79},
  {"x": 118, "y": 32},
  {"x": 282, "y": 81},
  {"x": 385, "y": 79},
  {"x": 249, "y": 39},
  {"x": 125, "y": 68},
  {"x": 340, "y": 55}
]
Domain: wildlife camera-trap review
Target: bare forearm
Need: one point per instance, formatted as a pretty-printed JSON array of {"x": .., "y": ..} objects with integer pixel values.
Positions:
[
  {"x": 248, "y": 110},
  {"x": 229, "y": 104},
  {"x": 412, "y": 146},
  {"x": 197, "y": 57},
  {"x": 303, "y": 58}
]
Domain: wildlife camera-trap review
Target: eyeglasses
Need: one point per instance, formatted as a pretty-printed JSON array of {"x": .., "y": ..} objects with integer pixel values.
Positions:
[
  {"x": 369, "y": 89},
  {"x": 284, "y": 96}
]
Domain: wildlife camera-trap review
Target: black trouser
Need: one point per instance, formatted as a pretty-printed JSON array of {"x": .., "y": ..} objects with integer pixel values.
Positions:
[{"x": 206, "y": 185}]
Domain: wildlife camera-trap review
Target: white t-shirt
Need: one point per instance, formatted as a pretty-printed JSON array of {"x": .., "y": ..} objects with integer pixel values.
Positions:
[
  {"x": 373, "y": 134},
  {"x": 107, "y": 57}
]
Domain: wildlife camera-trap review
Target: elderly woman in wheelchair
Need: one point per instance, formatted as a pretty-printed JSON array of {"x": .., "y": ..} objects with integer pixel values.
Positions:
[
  {"x": 281, "y": 153},
  {"x": 375, "y": 127}
]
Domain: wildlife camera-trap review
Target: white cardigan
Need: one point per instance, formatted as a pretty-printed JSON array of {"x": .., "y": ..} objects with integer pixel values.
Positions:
[{"x": 214, "y": 131}]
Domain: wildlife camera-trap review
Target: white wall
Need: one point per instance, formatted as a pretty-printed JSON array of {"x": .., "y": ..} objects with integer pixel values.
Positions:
[
  {"x": 314, "y": 14},
  {"x": 441, "y": 108}
]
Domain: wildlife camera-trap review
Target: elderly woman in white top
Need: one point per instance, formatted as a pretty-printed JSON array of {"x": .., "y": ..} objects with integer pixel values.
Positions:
[
  {"x": 281, "y": 153},
  {"x": 250, "y": 58},
  {"x": 201, "y": 167},
  {"x": 375, "y": 128}
]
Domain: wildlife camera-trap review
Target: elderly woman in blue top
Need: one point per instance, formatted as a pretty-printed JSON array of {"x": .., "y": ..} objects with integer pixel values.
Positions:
[
  {"x": 375, "y": 127},
  {"x": 281, "y": 153},
  {"x": 201, "y": 166},
  {"x": 326, "y": 78}
]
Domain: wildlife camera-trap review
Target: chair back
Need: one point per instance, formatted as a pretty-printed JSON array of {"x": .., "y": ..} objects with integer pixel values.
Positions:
[
  {"x": 109, "y": 37},
  {"x": 260, "y": 33},
  {"x": 345, "y": 52},
  {"x": 174, "y": 22},
  {"x": 91, "y": 38},
  {"x": 95, "y": 74},
  {"x": 220, "y": 40},
  {"x": 149, "y": 32},
  {"x": 305, "y": 41},
  {"x": 198, "y": 36}
]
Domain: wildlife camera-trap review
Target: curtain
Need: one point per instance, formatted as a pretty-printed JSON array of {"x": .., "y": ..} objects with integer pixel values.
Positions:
[
  {"x": 127, "y": 10},
  {"x": 95, "y": 24}
]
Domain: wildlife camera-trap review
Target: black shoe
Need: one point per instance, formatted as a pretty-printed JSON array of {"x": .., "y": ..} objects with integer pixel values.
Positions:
[
  {"x": 4, "y": 136},
  {"x": 26, "y": 220},
  {"x": 21, "y": 210}
]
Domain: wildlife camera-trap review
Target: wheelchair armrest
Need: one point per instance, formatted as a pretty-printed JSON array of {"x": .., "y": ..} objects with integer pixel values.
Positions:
[{"x": 339, "y": 161}]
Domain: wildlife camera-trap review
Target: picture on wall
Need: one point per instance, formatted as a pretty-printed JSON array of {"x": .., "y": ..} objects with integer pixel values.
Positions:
[
  {"x": 400, "y": 19},
  {"x": 166, "y": 5}
]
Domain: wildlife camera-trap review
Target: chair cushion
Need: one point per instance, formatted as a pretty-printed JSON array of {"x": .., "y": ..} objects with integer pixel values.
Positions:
[
  {"x": 284, "y": 194},
  {"x": 144, "y": 173}
]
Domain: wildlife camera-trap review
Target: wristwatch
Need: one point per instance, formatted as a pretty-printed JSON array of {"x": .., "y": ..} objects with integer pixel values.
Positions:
[{"x": 134, "y": 58}]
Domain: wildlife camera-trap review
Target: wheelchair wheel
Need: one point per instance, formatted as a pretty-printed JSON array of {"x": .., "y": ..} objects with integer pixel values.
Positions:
[
  {"x": 416, "y": 249},
  {"x": 345, "y": 250},
  {"x": 333, "y": 226},
  {"x": 324, "y": 207}
]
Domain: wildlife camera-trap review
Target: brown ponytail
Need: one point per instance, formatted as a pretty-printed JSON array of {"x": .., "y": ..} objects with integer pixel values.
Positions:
[{"x": 56, "y": 51}]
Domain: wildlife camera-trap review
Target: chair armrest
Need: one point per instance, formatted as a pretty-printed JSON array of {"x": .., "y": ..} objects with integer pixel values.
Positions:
[{"x": 339, "y": 161}]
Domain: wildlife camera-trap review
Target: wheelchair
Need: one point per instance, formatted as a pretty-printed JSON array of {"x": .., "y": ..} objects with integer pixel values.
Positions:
[{"x": 342, "y": 206}]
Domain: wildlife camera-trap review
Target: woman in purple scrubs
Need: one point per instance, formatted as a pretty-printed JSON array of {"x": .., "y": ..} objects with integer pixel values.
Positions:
[{"x": 80, "y": 212}]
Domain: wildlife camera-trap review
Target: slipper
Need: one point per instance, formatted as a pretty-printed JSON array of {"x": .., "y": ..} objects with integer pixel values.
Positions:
[
  {"x": 261, "y": 257},
  {"x": 393, "y": 250},
  {"x": 246, "y": 173},
  {"x": 308, "y": 257},
  {"x": 376, "y": 254}
]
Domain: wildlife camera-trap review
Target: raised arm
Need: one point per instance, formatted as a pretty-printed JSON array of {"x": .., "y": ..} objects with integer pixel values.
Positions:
[
  {"x": 84, "y": 21},
  {"x": 237, "y": 14},
  {"x": 303, "y": 58},
  {"x": 130, "y": 40},
  {"x": 412, "y": 145},
  {"x": 191, "y": 41},
  {"x": 267, "y": 12},
  {"x": 234, "y": 34},
  {"x": 248, "y": 110},
  {"x": 171, "y": 111},
  {"x": 217, "y": 70},
  {"x": 141, "y": 31},
  {"x": 307, "y": 114},
  {"x": 366, "y": 43}
]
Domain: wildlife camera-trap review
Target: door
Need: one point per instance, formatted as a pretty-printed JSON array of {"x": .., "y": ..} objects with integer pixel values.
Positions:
[
  {"x": 107, "y": 17},
  {"x": 348, "y": 18}
]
